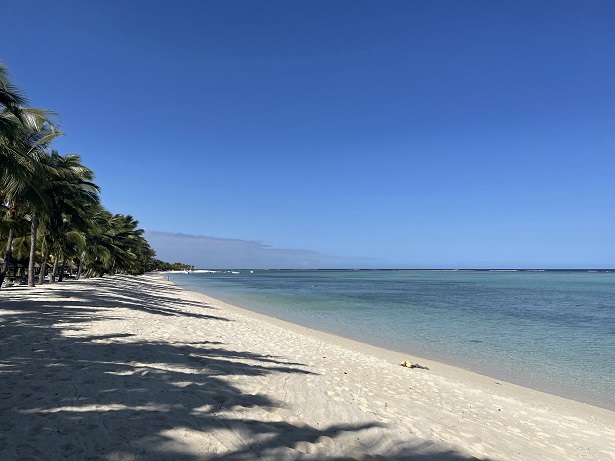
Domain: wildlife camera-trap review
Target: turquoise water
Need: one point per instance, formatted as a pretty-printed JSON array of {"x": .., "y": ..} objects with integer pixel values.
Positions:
[{"x": 549, "y": 330}]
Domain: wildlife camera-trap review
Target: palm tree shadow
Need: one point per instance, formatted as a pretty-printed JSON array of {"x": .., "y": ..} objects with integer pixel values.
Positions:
[{"x": 64, "y": 394}]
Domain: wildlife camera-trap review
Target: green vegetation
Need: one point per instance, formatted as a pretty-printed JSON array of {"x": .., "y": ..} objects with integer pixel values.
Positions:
[
  {"x": 51, "y": 217},
  {"x": 162, "y": 266}
]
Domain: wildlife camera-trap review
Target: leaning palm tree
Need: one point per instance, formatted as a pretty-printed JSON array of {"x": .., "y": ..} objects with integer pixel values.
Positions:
[
  {"x": 68, "y": 186},
  {"x": 114, "y": 244},
  {"x": 24, "y": 134},
  {"x": 93, "y": 254},
  {"x": 125, "y": 237},
  {"x": 23, "y": 172}
]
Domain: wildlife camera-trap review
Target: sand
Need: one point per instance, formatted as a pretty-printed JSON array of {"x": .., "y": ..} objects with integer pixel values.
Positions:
[{"x": 135, "y": 368}]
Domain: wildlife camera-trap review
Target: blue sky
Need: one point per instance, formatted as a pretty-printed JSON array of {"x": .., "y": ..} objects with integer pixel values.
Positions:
[{"x": 381, "y": 134}]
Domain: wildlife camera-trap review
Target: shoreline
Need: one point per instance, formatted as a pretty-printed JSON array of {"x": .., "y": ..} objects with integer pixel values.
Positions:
[
  {"x": 136, "y": 368},
  {"x": 524, "y": 382},
  {"x": 395, "y": 357}
]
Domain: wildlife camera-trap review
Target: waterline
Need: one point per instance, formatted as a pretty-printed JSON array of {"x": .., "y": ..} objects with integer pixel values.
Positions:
[{"x": 552, "y": 331}]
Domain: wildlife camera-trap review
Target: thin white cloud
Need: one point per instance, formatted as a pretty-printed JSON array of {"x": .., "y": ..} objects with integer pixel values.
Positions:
[{"x": 223, "y": 253}]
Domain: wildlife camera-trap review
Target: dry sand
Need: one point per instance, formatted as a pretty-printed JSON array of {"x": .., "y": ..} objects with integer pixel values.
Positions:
[{"x": 135, "y": 368}]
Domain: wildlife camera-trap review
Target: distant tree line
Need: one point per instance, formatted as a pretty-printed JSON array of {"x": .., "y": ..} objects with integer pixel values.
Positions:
[
  {"x": 158, "y": 265},
  {"x": 52, "y": 221}
]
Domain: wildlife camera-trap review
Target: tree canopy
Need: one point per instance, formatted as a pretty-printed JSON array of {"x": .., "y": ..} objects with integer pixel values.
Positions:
[{"x": 51, "y": 215}]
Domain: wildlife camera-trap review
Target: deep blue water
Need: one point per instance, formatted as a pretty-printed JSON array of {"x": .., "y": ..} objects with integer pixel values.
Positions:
[{"x": 551, "y": 330}]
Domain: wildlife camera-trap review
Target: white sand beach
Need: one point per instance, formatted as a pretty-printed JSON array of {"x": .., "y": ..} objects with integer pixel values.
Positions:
[{"x": 135, "y": 368}]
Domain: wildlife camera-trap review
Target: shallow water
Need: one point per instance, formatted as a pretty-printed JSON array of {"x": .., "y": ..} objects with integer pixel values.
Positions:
[{"x": 552, "y": 331}]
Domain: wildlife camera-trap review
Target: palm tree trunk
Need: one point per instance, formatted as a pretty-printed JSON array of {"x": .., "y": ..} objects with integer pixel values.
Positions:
[
  {"x": 7, "y": 256},
  {"x": 80, "y": 265},
  {"x": 33, "y": 229},
  {"x": 52, "y": 279},
  {"x": 41, "y": 276},
  {"x": 61, "y": 276}
]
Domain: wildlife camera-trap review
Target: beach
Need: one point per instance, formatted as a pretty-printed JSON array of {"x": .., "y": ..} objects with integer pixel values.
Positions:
[{"x": 135, "y": 368}]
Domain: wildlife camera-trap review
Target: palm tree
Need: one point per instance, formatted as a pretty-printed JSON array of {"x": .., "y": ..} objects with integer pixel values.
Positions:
[
  {"x": 10, "y": 96},
  {"x": 56, "y": 198},
  {"x": 24, "y": 134},
  {"x": 23, "y": 174},
  {"x": 10, "y": 135},
  {"x": 68, "y": 187},
  {"x": 114, "y": 244},
  {"x": 13, "y": 242}
]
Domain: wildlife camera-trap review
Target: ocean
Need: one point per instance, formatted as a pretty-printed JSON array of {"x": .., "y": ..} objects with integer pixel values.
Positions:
[{"x": 548, "y": 330}]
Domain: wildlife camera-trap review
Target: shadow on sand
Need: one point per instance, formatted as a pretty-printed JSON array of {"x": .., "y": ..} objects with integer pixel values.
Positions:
[{"x": 64, "y": 394}]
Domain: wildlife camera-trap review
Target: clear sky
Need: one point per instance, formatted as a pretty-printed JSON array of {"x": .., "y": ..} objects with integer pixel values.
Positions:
[{"x": 382, "y": 134}]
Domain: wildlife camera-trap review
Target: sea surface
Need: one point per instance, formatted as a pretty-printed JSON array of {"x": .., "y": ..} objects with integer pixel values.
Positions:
[{"x": 549, "y": 330}]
